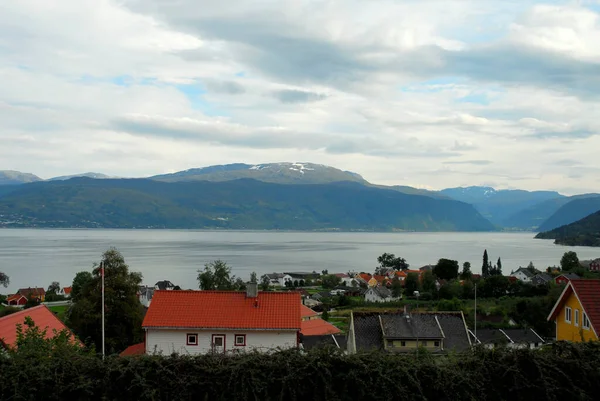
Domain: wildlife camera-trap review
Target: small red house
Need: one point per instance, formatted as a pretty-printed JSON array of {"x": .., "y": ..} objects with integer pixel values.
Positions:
[
  {"x": 36, "y": 293},
  {"x": 563, "y": 279},
  {"x": 16, "y": 300},
  {"x": 595, "y": 265}
]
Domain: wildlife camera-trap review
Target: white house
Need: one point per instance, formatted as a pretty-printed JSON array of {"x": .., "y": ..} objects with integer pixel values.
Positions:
[
  {"x": 523, "y": 274},
  {"x": 164, "y": 285},
  {"x": 65, "y": 292},
  {"x": 379, "y": 294},
  {"x": 510, "y": 338},
  {"x": 200, "y": 322},
  {"x": 145, "y": 294},
  {"x": 277, "y": 279}
]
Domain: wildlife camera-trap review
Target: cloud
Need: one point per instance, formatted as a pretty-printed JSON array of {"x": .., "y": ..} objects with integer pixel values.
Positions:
[
  {"x": 474, "y": 162},
  {"x": 297, "y": 96}
]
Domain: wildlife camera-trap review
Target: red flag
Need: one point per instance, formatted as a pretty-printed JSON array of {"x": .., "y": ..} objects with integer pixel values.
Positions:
[{"x": 102, "y": 272}]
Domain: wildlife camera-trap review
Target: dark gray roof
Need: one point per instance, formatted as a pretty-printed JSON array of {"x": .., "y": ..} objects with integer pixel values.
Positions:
[
  {"x": 541, "y": 278},
  {"x": 383, "y": 292},
  {"x": 402, "y": 326},
  {"x": 522, "y": 336},
  {"x": 571, "y": 276},
  {"x": 367, "y": 332},
  {"x": 310, "y": 342},
  {"x": 302, "y": 274},
  {"x": 164, "y": 284},
  {"x": 525, "y": 271},
  {"x": 491, "y": 336},
  {"x": 273, "y": 276},
  {"x": 456, "y": 336}
]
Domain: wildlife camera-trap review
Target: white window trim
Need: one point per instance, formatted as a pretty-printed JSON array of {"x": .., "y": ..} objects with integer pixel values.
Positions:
[
  {"x": 576, "y": 318},
  {"x": 584, "y": 320},
  {"x": 568, "y": 314}
]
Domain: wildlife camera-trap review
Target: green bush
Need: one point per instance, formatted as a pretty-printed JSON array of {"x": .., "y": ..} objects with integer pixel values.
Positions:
[{"x": 560, "y": 372}]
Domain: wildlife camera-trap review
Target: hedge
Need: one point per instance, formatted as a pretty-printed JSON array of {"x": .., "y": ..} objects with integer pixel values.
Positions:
[{"x": 560, "y": 372}]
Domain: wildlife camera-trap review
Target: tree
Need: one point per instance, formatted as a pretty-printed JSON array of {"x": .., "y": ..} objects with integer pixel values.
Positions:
[
  {"x": 264, "y": 283},
  {"x": 499, "y": 267},
  {"x": 396, "y": 287},
  {"x": 301, "y": 283},
  {"x": 428, "y": 282},
  {"x": 216, "y": 276},
  {"x": 325, "y": 315},
  {"x": 411, "y": 283},
  {"x": 389, "y": 261},
  {"x": 253, "y": 278},
  {"x": 446, "y": 269},
  {"x": 81, "y": 280},
  {"x": 485, "y": 267},
  {"x": 451, "y": 289},
  {"x": 494, "y": 287},
  {"x": 31, "y": 302},
  {"x": 53, "y": 288},
  {"x": 330, "y": 281},
  {"x": 466, "y": 271},
  {"x": 4, "y": 280},
  {"x": 531, "y": 268},
  {"x": 123, "y": 311},
  {"x": 569, "y": 261},
  {"x": 324, "y": 272},
  {"x": 296, "y": 283}
]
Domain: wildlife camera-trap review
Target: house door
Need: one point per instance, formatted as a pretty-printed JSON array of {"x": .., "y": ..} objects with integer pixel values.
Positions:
[{"x": 218, "y": 343}]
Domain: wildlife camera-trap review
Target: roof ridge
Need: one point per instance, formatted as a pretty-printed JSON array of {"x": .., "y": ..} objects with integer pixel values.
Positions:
[{"x": 21, "y": 312}]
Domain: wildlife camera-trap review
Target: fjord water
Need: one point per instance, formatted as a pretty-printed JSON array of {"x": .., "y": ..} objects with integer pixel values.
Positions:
[{"x": 36, "y": 257}]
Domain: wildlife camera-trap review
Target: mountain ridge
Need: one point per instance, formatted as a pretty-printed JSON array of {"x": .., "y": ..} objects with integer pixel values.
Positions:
[{"x": 584, "y": 232}]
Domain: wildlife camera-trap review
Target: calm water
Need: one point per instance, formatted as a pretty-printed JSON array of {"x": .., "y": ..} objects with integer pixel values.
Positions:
[{"x": 36, "y": 257}]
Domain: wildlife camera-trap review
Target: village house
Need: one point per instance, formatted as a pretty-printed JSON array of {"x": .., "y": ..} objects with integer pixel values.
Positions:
[
  {"x": 200, "y": 322},
  {"x": 541, "y": 279},
  {"x": 379, "y": 294},
  {"x": 438, "y": 332},
  {"x": 145, "y": 294},
  {"x": 523, "y": 274},
  {"x": 595, "y": 265},
  {"x": 565, "y": 278},
  {"x": 577, "y": 311},
  {"x": 65, "y": 292},
  {"x": 16, "y": 300},
  {"x": 164, "y": 285},
  {"x": 276, "y": 279},
  {"x": 510, "y": 338},
  {"x": 33, "y": 293},
  {"x": 41, "y": 316}
]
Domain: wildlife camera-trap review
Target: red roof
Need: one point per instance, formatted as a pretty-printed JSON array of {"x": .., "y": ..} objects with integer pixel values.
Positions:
[
  {"x": 67, "y": 290},
  {"x": 224, "y": 309},
  {"x": 15, "y": 297},
  {"x": 307, "y": 312},
  {"x": 135, "y": 349},
  {"x": 365, "y": 276},
  {"x": 588, "y": 293},
  {"x": 318, "y": 327},
  {"x": 41, "y": 316},
  {"x": 33, "y": 291}
]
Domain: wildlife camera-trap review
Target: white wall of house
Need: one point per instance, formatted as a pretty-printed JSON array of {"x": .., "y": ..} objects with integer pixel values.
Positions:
[
  {"x": 170, "y": 341},
  {"x": 521, "y": 276},
  {"x": 372, "y": 296}
]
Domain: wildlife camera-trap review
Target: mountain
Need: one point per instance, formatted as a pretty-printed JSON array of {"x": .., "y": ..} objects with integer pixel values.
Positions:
[
  {"x": 279, "y": 173},
  {"x": 11, "y": 177},
  {"x": 498, "y": 205},
  {"x": 575, "y": 210},
  {"x": 88, "y": 175},
  {"x": 237, "y": 204},
  {"x": 534, "y": 216},
  {"x": 584, "y": 232}
]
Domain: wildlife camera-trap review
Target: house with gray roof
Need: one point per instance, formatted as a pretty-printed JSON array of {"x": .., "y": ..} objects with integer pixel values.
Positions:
[
  {"x": 541, "y": 279},
  {"x": 511, "y": 338},
  {"x": 438, "y": 332},
  {"x": 379, "y": 294},
  {"x": 523, "y": 274}
]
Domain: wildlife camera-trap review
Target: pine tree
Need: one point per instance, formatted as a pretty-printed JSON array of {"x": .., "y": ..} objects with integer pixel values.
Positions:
[
  {"x": 499, "y": 267},
  {"x": 485, "y": 268}
]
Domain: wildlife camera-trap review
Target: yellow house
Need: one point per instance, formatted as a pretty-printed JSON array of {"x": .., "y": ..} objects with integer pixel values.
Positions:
[{"x": 577, "y": 311}]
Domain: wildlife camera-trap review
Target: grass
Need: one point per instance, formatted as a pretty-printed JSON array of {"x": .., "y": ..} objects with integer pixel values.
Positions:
[{"x": 59, "y": 310}]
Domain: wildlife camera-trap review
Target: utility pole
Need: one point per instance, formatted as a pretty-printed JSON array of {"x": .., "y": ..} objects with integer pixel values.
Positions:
[
  {"x": 475, "y": 314},
  {"x": 102, "y": 274}
]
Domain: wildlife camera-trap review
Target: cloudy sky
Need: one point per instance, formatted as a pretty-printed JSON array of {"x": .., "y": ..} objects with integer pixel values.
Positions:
[{"x": 424, "y": 93}]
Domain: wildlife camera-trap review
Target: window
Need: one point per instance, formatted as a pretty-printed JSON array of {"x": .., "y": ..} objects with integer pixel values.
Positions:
[
  {"x": 240, "y": 340},
  {"x": 585, "y": 321},
  {"x": 192, "y": 339},
  {"x": 576, "y": 317},
  {"x": 403, "y": 343},
  {"x": 568, "y": 315},
  {"x": 436, "y": 343}
]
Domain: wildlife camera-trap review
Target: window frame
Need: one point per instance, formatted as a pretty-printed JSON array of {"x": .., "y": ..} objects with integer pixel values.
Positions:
[
  {"x": 576, "y": 318},
  {"x": 403, "y": 343},
  {"x": 235, "y": 338},
  {"x": 187, "y": 339},
  {"x": 568, "y": 315},
  {"x": 436, "y": 343},
  {"x": 585, "y": 320}
]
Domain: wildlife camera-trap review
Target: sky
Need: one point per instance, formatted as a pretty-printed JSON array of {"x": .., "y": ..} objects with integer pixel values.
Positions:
[{"x": 426, "y": 93}]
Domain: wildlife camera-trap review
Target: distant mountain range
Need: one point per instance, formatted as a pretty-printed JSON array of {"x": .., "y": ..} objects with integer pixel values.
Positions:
[
  {"x": 504, "y": 209},
  {"x": 584, "y": 232},
  {"x": 236, "y": 204}
]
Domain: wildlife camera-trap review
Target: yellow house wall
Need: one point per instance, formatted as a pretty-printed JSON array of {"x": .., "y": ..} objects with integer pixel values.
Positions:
[
  {"x": 412, "y": 344},
  {"x": 568, "y": 331}
]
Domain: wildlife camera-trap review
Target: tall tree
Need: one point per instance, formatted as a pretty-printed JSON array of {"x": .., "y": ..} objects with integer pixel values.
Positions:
[
  {"x": 485, "y": 267},
  {"x": 81, "y": 280},
  {"x": 330, "y": 281},
  {"x": 4, "y": 280},
  {"x": 264, "y": 283},
  {"x": 446, "y": 269},
  {"x": 123, "y": 311},
  {"x": 411, "y": 283},
  {"x": 216, "y": 276},
  {"x": 466, "y": 271},
  {"x": 569, "y": 261},
  {"x": 389, "y": 261},
  {"x": 396, "y": 287},
  {"x": 428, "y": 282},
  {"x": 53, "y": 288},
  {"x": 499, "y": 267},
  {"x": 253, "y": 278}
]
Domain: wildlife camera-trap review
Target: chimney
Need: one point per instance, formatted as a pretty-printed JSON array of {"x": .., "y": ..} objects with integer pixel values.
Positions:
[{"x": 251, "y": 290}]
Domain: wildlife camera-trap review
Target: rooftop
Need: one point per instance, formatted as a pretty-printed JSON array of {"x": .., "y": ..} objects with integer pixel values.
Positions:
[
  {"x": 224, "y": 309},
  {"x": 318, "y": 327},
  {"x": 41, "y": 316}
]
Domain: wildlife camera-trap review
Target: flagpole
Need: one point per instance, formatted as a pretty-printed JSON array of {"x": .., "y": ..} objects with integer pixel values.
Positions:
[{"x": 102, "y": 273}]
